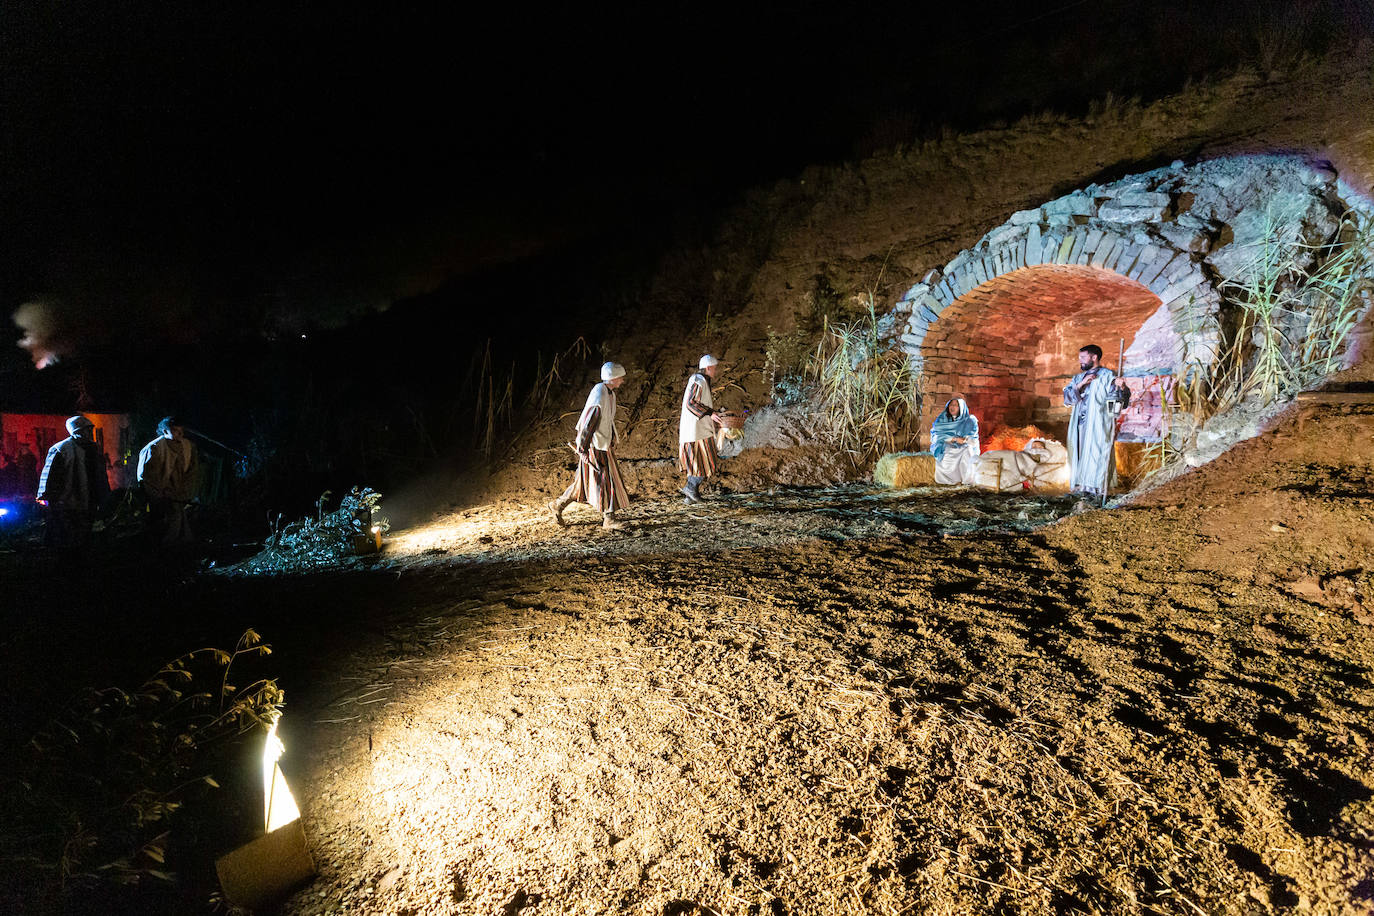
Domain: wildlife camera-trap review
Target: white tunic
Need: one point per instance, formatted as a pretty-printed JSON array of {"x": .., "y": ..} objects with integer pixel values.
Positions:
[
  {"x": 604, "y": 398},
  {"x": 690, "y": 427}
]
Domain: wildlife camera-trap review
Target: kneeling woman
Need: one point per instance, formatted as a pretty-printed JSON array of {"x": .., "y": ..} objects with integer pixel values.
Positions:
[{"x": 954, "y": 443}]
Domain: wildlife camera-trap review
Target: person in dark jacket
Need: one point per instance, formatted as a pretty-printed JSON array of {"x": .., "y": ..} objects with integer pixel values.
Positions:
[{"x": 73, "y": 486}]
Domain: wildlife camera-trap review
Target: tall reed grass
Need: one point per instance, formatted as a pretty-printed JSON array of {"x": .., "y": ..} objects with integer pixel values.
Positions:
[
  {"x": 1290, "y": 310},
  {"x": 867, "y": 393},
  {"x": 1292, "y": 323}
]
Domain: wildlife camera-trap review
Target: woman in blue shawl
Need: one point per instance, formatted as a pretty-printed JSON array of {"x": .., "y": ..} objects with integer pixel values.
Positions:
[{"x": 954, "y": 443}]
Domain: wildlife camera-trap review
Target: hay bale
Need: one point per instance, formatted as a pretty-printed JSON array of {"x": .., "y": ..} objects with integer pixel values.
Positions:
[{"x": 905, "y": 469}]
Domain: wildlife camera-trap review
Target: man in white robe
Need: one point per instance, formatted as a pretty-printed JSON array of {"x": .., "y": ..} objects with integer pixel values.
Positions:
[
  {"x": 1091, "y": 424},
  {"x": 597, "y": 481},
  {"x": 696, "y": 429}
]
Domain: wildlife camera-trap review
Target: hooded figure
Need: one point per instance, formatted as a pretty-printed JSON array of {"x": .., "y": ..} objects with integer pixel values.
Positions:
[
  {"x": 954, "y": 443},
  {"x": 696, "y": 429},
  {"x": 597, "y": 480},
  {"x": 167, "y": 470},
  {"x": 73, "y": 486}
]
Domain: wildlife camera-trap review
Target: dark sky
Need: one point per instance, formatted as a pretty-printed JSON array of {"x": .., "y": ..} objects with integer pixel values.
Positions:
[{"x": 173, "y": 168}]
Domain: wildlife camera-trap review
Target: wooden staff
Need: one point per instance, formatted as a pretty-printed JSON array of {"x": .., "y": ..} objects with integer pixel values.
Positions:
[{"x": 1109, "y": 404}]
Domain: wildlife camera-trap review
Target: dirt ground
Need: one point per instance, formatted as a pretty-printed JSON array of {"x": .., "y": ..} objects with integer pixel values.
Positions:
[
  {"x": 826, "y": 698},
  {"x": 843, "y": 700}
]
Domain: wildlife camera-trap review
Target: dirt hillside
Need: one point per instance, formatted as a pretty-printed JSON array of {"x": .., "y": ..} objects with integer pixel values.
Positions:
[{"x": 817, "y": 246}]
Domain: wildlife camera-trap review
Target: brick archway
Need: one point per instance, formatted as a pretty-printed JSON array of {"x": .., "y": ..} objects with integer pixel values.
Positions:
[
  {"x": 1002, "y": 323},
  {"x": 1009, "y": 345},
  {"x": 1155, "y": 258}
]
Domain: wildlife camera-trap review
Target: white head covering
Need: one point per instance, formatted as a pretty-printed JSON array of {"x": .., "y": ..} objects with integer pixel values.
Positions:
[
  {"x": 77, "y": 422},
  {"x": 707, "y": 361},
  {"x": 611, "y": 370}
]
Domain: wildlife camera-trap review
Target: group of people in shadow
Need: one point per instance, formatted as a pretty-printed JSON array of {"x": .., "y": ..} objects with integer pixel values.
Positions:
[{"x": 74, "y": 485}]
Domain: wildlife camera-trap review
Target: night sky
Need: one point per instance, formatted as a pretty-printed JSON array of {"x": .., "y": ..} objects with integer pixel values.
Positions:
[{"x": 169, "y": 171}]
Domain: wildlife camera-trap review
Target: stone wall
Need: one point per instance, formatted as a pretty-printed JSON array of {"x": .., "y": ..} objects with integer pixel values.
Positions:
[{"x": 1146, "y": 259}]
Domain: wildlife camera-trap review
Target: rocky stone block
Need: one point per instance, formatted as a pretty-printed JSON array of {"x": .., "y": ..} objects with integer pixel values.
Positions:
[
  {"x": 980, "y": 271},
  {"x": 1076, "y": 204},
  {"x": 1156, "y": 200},
  {"x": 1116, "y": 213},
  {"x": 959, "y": 261},
  {"x": 1076, "y": 251},
  {"x": 916, "y": 292},
  {"x": 1148, "y": 258},
  {"x": 1186, "y": 238},
  {"x": 1033, "y": 254},
  {"x": 1107, "y": 253},
  {"x": 1151, "y": 274},
  {"x": 1065, "y": 249},
  {"x": 1002, "y": 235},
  {"x": 1091, "y": 241}
]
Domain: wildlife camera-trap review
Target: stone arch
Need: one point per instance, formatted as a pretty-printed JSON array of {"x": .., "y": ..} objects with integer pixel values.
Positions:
[
  {"x": 1034, "y": 320},
  {"x": 1145, "y": 258}
]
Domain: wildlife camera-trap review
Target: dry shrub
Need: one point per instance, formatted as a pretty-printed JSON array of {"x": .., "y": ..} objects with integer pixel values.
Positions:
[
  {"x": 91, "y": 799},
  {"x": 869, "y": 396},
  {"x": 1293, "y": 323},
  {"x": 1293, "y": 307}
]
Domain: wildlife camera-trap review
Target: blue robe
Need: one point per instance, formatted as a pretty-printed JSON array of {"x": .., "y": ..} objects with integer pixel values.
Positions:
[
  {"x": 1090, "y": 431},
  {"x": 955, "y": 461}
]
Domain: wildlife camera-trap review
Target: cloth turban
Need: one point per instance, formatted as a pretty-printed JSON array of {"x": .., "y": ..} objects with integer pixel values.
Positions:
[
  {"x": 707, "y": 361},
  {"x": 611, "y": 370}
]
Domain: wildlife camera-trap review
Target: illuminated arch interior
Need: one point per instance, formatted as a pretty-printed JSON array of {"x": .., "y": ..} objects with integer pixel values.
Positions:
[{"x": 1009, "y": 346}]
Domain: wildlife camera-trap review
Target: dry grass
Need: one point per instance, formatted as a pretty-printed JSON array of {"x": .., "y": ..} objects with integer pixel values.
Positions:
[
  {"x": 868, "y": 394},
  {"x": 1293, "y": 323},
  {"x": 1289, "y": 330}
]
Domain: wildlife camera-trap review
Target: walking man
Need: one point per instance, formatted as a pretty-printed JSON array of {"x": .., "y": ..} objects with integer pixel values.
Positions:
[
  {"x": 1090, "y": 425},
  {"x": 167, "y": 470},
  {"x": 696, "y": 429},
  {"x": 597, "y": 481},
  {"x": 73, "y": 486}
]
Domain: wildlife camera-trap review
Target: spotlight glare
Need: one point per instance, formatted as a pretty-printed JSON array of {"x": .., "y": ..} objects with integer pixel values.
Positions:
[{"x": 280, "y": 805}]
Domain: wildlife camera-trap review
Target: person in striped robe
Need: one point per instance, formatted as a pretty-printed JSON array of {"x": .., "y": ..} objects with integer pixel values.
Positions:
[
  {"x": 696, "y": 430},
  {"x": 597, "y": 480}
]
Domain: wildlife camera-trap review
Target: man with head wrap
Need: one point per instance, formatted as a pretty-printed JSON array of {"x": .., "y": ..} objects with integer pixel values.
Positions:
[
  {"x": 167, "y": 469},
  {"x": 73, "y": 486},
  {"x": 696, "y": 430},
  {"x": 954, "y": 443},
  {"x": 1092, "y": 421},
  {"x": 597, "y": 481}
]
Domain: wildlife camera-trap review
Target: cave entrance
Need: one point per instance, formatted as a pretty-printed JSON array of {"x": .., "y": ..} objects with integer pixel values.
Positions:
[{"x": 1010, "y": 345}]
